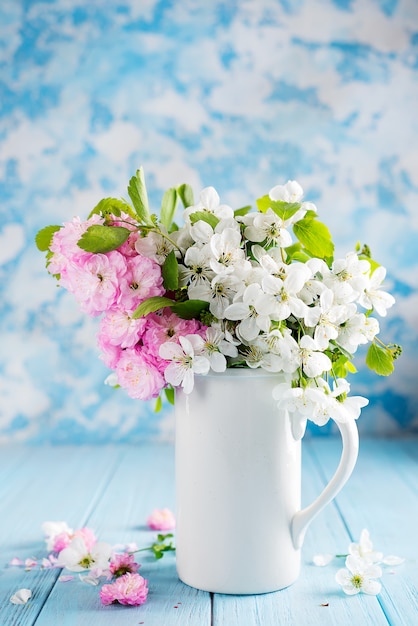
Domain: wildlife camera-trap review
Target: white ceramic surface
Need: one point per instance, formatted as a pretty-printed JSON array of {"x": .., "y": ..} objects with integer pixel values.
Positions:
[{"x": 238, "y": 484}]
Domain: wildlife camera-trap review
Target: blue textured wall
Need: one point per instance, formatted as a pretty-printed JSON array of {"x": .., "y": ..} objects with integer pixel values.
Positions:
[{"x": 241, "y": 95}]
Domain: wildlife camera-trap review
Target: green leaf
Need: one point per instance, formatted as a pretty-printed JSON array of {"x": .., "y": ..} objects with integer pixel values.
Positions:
[
  {"x": 295, "y": 253},
  {"x": 158, "y": 405},
  {"x": 186, "y": 195},
  {"x": 283, "y": 209},
  {"x": 43, "y": 237},
  {"x": 315, "y": 237},
  {"x": 168, "y": 207},
  {"x": 351, "y": 367},
  {"x": 342, "y": 366},
  {"x": 112, "y": 206},
  {"x": 190, "y": 309},
  {"x": 243, "y": 210},
  {"x": 138, "y": 194},
  {"x": 170, "y": 394},
  {"x": 205, "y": 216},
  {"x": 310, "y": 215},
  {"x": 102, "y": 239},
  {"x": 170, "y": 272},
  {"x": 150, "y": 305},
  {"x": 380, "y": 360}
]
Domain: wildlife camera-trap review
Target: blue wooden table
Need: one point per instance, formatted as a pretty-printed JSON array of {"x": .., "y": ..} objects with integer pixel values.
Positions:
[{"x": 113, "y": 489}]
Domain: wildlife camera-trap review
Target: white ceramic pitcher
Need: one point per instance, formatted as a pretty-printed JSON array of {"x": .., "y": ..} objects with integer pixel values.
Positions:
[{"x": 240, "y": 526}]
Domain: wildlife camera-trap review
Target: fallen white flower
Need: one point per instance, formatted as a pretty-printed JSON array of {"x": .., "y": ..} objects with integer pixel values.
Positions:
[{"x": 359, "y": 575}]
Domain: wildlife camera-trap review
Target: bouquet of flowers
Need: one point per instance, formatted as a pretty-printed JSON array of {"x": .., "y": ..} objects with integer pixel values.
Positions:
[{"x": 255, "y": 288}]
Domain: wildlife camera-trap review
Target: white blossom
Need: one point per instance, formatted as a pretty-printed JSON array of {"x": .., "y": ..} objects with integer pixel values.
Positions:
[
  {"x": 313, "y": 361},
  {"x": 375, "y": 298},
  {"x": 226, "y": 250},
  {"x": 155, "y": 246},
  {"x": 209, "y": 202},
  {"x": 327, "y": 317},
  {"x": 285, "y": 292},
  {"x": 268, "y": 227},
  {"x": 357, "y": 330},
  {"x": 348, "y": 278},
  {"x": 290, "y": 192},
  {"x": 219, "y": 293},
  {"x": 216, "y": 347},
  {"x": 186, "y": 361},
  {"x": 253, "y": 311},
  {"x": 358, "y": 576},
  {"x": 196, "y": 269},
  {"x": 77, "y": 558}
]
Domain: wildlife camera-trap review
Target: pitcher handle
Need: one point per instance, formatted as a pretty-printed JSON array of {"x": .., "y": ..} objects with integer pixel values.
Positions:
[{"x": 303, "y": 518}]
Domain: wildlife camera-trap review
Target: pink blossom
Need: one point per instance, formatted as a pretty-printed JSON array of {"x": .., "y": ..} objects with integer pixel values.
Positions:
[
  {"x": 142, "y": 280},
  {"x": 63, "y": 540},
  {"x": 118, "y": 328},
  {"x": 94, "y": 281},
  {"x": 64, "y": 243},
  {"x": 121, "y": 564},
  {"x": 109, "y": 353},
  {"x": 129, "y": 589},
  {"x": 139, "y": 375},
  {"x": 161, "y": 519}
]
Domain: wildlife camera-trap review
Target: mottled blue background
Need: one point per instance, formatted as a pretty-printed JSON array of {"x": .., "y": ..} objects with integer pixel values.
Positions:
[{"x": 242, "y": 95}]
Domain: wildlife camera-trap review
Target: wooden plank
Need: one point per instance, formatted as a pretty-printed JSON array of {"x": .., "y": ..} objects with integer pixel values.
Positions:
[
  {"x": 381, "y": 496},
  {"x": 301, "y": 603},
  {"x": 144, "y": 480}
]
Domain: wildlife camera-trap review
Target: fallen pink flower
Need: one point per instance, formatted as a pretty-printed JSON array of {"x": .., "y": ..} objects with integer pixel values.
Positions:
[
  {"x": 161, "y": 519},
  {"x": 129, "y": 589},
  {"x": 121, "y": 564}
]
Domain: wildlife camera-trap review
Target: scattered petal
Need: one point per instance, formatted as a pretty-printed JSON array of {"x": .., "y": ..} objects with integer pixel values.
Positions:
[
  {"x": 16, "y": 561},
  {"x": 66, "y": 578},
  {"x": 29, "y": 563},
  {"x": 393, "y": 560},
  {"x": 21, "y": 596},
  {"x": 89, "y": 579},
  {"x": 322, "y": 559}
]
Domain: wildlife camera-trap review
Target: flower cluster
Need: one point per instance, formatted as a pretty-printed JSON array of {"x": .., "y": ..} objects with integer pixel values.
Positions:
[
  {"x": 79, "y": 551},
  {"x": 244, "y": 288},
  {"x": 362, "y": 566}
]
